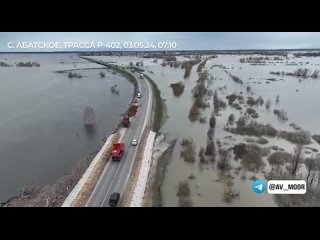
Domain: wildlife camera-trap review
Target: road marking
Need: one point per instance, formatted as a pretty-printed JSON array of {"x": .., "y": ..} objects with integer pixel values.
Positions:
[
  {"x": 121, "y": 161},
  {"x": 142, "y": 129},
  {"x": 143, "y": 88}
]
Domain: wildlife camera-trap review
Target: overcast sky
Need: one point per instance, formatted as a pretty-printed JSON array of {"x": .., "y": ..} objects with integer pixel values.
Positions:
[{"x": 184, "y": 40}]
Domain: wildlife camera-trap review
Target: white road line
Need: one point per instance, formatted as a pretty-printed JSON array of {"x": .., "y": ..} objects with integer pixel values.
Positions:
[{"x": 115, "y": 175}]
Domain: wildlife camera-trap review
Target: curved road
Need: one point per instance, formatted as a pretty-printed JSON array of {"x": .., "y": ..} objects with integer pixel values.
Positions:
[{"x": 115, "y": 176}]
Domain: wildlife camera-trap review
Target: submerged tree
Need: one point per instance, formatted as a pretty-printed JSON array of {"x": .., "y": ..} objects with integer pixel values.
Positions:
[
  {"x": 102, "y": 74},
  {"x": 89, "y": 118},
  {"x": 297, "y": 158}
]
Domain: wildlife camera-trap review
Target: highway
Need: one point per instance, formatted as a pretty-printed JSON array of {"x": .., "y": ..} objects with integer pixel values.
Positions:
[{"x": 115, "y": 176}]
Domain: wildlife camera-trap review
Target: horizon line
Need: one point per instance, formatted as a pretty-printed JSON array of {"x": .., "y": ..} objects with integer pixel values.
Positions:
[{"x": 162, "y": 50}]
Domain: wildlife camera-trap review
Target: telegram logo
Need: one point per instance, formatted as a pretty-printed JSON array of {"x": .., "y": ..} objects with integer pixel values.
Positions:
[{"x": 259, "y": 187}]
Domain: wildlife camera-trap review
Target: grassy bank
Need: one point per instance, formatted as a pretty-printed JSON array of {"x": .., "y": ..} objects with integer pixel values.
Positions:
[
  {"x": 163, "y": 161},
  {"x": 159, "y": 108}
]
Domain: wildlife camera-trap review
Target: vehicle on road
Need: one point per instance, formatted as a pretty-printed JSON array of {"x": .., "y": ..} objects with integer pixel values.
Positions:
[
  {"x": 139, "y": 95},
  {"x": 134, "y": 142},
  {"x": 126, "y": 121},
  {"x": 136, "y": 101},
  {"x": 114, "y": 199},
  {"x": 141, "y": 76},
  {"x": 117, "y": 151}
]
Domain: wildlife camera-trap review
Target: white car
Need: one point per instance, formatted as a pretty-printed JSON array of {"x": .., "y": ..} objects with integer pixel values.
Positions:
[
  {"x": 138, "y": 95},
  {"x": 134, "y": 142}
]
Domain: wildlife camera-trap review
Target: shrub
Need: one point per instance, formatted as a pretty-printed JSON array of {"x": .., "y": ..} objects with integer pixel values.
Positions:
[
  {"x": 301, "y": 72},
  {"x": 188, "y": 68},
  {"x": 252, "y": 159},
  {"x": 255, "y": 115},
  {"x": 185, "y": 141},
  {"x": 282, "y": 115},
  {"x": 301, "y": 137},
  {"x": 237, "y": 106},
  {"x": 231, "y": 98},
  {"x": 184, "y": 194},
  {"x": 254, "y": 129},
  {"x": 316, "y": 137},
  {"x": 240, "y": 98},
  {"x": 279, "y": 158},
  {"x": 268, "y": 104},
  {"x": 224, "y": 158},
  {"x": 194, "y": 112},
  {"x": 259, "y": 101},
  {"x": 102, "y": 74},
  {"x": 177, "y": 88},
  {"x": 251, "y": 102},
  {"x": 201, "y": 155},
  {"x": 231, "y": 118},
  {"x": 183, "y": 189},
  {"x": 188, "y": 150},
  {"x": 210, "y": 148},
  {"x": 262, "y": 141},
  {"x": 212, "y": 122},
  {"x": 295, "y": 126},
  {"x": 242, "y": 121},
  {"x": 236, "y": 79},
  {"x": 251, "y": 111},
  {"x": 315, "y": 74},
  {"x": 201, "y": 65},
  {"x": 250, "y": 140},
  {"x": 114, "y": 89},
  {"x": 275, "y": 73},
  {"x": 210, "y": 133}
]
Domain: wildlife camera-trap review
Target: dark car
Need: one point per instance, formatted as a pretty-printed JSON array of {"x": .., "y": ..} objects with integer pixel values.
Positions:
[{"x": 114, "y": 199}]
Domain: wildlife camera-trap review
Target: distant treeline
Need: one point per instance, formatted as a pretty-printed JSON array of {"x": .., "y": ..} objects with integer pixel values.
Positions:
[
  {"x": 260, "y": 59},
  {"x": 307, "y": 54},
  {"x": 3, "y": 64},
  {"x": 300, "y": 72},
  {"x": 28, "y": 64}
]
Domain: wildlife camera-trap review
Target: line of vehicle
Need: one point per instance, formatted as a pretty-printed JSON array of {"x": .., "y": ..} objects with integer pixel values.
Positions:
[{"x": 133, "y": 131}]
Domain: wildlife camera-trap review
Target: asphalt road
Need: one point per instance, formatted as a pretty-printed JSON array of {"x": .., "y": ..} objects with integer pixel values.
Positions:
[{"x": 115, "y": 176}]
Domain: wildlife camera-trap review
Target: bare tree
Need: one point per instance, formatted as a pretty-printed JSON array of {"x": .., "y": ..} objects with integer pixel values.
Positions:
[
  {"x": 310, "y": 165},
  {"x": 312, "y": 178},
  {"x": 297, "y": 158},
  {"x": 212, "y": 121},
  {"x": 268, "y": 104},
  {"x": 318, "y": 178},
  {"x": 223, "y": 164}
]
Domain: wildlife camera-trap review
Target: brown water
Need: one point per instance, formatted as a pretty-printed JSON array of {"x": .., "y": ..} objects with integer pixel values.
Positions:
[
  {"x": 41, "y": 126},
  {"x": 208, "y": 188}
]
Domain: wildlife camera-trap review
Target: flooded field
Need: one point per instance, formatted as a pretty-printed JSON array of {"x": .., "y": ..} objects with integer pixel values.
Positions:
[
  {"x": 267, "y": 93},
  {"x": 42, "y": 135}
]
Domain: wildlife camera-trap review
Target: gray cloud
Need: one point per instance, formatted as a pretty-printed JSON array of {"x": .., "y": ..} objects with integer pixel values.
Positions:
[{"x": 185, "y": 40}]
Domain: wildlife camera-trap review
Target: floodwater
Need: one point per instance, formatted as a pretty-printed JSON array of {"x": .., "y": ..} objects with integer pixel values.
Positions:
[
  {"x": 298, "y": 98},
  {"x": 41, "y": 124}
]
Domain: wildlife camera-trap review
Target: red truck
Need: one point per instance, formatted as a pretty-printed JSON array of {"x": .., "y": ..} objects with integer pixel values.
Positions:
[
  {"x": 126, "y": 121},
  {"x": 117, "y": 151}
]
